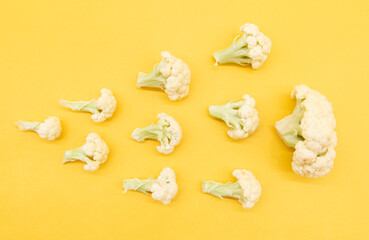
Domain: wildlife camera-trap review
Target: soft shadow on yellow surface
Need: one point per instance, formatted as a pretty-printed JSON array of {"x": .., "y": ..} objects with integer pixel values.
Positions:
[{"x": 51, "y": 50}]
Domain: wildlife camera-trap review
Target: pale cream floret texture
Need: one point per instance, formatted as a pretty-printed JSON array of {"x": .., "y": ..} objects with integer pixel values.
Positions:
[
  {"x": 258, "y": 44},
  {"x": 50, "y": 128},
  {"x": 249, "y": 119},
  {"x": 165, "y": 188},
  {"x": 250, "y": 186},
  {"x": 107, "y": 104},
  {"x": 97, "y": 149},
  {"x": 314, "y": 155},
  {"x": 177, "y": 74}
]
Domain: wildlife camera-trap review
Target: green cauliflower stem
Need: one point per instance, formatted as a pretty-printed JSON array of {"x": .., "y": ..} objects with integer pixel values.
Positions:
[
  {"x": 83, "y": 106},
  {"x": 153, "y": 80},
  {"x": 227, "y": 113},
  {"x": 236, "y": 53},
  {"x": 289, "y": 127},
  {"x": 232, "y": 190},
  {"x": 141, "y": 185}
]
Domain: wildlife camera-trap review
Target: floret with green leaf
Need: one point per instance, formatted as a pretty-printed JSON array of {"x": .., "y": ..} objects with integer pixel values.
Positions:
[
  {"x": 241, "y": 116},
  {"x": 171, "y": 75},
  {"x": 94, "y": 153},
  {"x": 101, "y": 108},
  {"x": 167, "y": 131},
  {"x": 251, "y": 48},
  {"x": 246, "y": 189},
  {"x": 163, "y": 189},
  {"x": 49, "y": 129}
]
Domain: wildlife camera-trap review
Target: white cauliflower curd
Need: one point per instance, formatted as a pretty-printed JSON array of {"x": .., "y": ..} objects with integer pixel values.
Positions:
[{"x": 310, "y": 130}]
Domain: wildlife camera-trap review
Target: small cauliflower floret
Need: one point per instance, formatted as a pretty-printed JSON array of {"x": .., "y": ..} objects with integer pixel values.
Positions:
[
  {"x": 167, "y": 131},
  {"x": 240, "y": 116},
  {"x": 94, "y": 152},
  {"x": 310, "y": 130},
  {"x": 247, "y": 189},
  {"x": 101, "y": 108},
  {"x": 171, "y": 75},
  {"x": 49, "y": 129},
  {"x": 251, "y": 49},
  {"x": 163, "y": 189}
]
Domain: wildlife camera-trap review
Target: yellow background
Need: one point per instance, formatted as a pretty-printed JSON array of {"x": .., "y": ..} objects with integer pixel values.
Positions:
[{"x": 51, "y": 50}]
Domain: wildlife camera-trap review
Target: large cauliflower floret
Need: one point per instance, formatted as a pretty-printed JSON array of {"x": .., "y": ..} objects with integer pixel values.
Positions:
[
  {"x": 252, "y": 48},
  {"x": 310, "y": 130},
  {"x": 163, "y": 189},
  {"x": 171, "y": 75},
  {"x": 102, "y": 108},
  {"x": 247, "y": 189},
  {"x": 49, "y": 129},
  {"x": 94, "y": 152},
  {"x": 240, "y": 116},
  {"x": 167, "y": 131}
]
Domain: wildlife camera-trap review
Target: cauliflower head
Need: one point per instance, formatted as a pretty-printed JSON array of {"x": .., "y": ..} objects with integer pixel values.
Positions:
[
  {"x": 49, "y": 129},
  {"x": 247, "y": 189},
  {"x": 167, "y": 131},
  {"x": 310, "y": 130},
  {"x": 251, "y": 48},
  {"x": 163, "y": 189},
  {"x": 101, "y": 108},
  {"x": 94, "y": 152},
  {"x": 240, "y": 116},
  {"x": 171, "y": 75}
]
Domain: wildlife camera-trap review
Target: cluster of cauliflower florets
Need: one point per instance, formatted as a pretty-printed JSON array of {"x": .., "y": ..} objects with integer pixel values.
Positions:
[{"x": 309, "y": 129}]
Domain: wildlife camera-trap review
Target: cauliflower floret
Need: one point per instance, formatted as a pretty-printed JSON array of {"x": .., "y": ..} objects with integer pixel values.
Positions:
[
  {"x": 163, "y": 189},
  {"x": 94, "y": 152},
  {"x": 167, "y": 131},
  {"x": 172, "y": 75},
  {"x": 106, "y": 105},
  {"x": 310, "y": 130},
  {"x": 49, "y": 129},
  {"x": 251, "y": 189},
  {"x": 241, "y": 116},
  {"x": 252, "y": 48},
  {"x": 247, "y": 189},
  {"x": 102, "y": 108}
]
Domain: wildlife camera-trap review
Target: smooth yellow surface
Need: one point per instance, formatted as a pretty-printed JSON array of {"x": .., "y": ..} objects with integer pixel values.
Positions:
[{"x": 51, "y": 50}]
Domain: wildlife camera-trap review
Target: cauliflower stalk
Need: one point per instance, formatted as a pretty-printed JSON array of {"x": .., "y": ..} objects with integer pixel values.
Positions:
[
  {"x": 101, "y": 108},
  {"x": 49, "y": 129},
  {"x": 247, "y": 189},
  {"x": 163, "y": 189},
  {"x": 94, "y": 152},
  {"x": 171, "y": 75},
  {"x": 240, "y": 116},
  {"x": 252, "y": 48},
  {"x": 310, "y": 130},
  {"x": 167, "y": 131}
]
